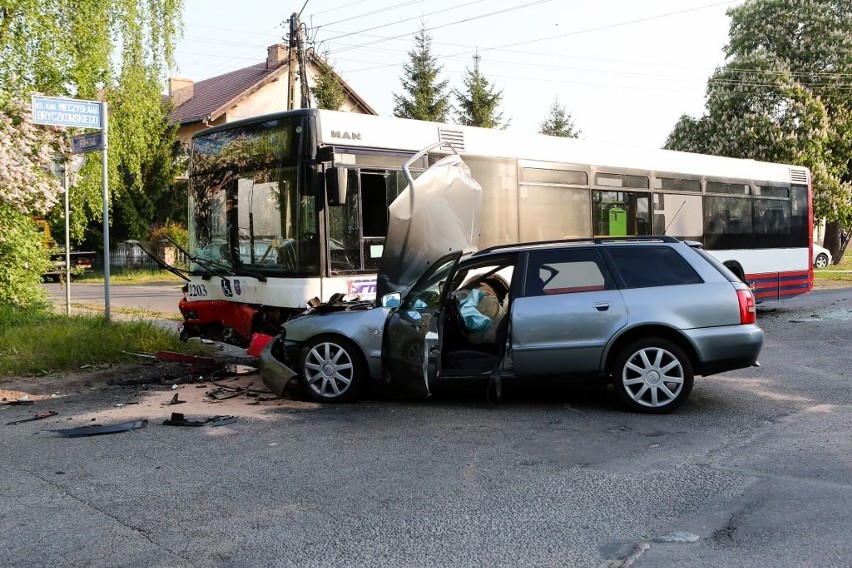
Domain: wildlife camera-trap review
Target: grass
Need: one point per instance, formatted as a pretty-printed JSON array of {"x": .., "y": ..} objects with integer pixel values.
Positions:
[
  {"x": 836, "y": 272},
  {"x": 131, "y": 276},
  {"x": 34, "y": 342}
]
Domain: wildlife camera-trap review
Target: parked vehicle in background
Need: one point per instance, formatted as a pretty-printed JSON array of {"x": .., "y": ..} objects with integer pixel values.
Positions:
[
  {"x": 291, "y": 206},
  {"x": 80, "y": 260},
  {"x": 644, "y": 313},
  {"x": 821, "y": 256}
]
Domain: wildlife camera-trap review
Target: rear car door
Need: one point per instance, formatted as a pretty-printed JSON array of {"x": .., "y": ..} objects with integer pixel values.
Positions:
[{"x": 568, "y": 310}]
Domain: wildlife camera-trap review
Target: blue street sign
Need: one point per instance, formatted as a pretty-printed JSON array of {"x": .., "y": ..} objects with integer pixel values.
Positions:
[
  {"x": 66, "y": 112},
  {"x": 87, "y": 142}
]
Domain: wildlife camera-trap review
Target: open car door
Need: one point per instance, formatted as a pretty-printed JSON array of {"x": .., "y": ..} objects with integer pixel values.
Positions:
[{"x": 412, "y": 338}]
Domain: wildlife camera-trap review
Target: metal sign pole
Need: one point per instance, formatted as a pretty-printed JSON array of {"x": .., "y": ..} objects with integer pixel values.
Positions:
[
  {"x": 67, "y": 240},
  {"x": 104, "y": 165}
]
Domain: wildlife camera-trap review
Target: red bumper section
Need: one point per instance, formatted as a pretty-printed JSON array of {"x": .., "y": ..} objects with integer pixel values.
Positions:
[{"x": 213, "y": 316}]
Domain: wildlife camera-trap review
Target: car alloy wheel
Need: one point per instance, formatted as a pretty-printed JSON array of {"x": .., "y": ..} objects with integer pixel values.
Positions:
[
  {"x": 332, "y": 370},
  {"x": 821, "y": 261},
  {"x": 653, "y": 375}
]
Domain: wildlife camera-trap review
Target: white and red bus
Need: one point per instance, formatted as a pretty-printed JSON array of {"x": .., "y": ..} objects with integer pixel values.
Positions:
[{"x": 292, "y": 206}]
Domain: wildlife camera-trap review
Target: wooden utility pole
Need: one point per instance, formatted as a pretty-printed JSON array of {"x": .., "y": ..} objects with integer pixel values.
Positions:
[
  {"x": 291, "y": 63},
  {"x": 297, "y": 60}
]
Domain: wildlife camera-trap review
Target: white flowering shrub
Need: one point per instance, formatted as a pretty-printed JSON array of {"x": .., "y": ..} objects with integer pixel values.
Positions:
[
  {"x": 26, "y": 187},
  {"x": 26, "y": 156}
]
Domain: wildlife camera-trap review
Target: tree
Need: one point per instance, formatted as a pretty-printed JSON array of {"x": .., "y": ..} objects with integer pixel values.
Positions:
[
  {"x": 559, "y": 122},
  {"x": 783, "y": 96},
  {"x": 478, "y": 103},
  {"x": 425, "y": 97},
  {"x": 327, "y": 89},
  {"x": 112, "y": 50}
]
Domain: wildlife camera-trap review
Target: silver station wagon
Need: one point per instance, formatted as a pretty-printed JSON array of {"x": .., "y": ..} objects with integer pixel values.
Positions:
[{"x": 646, "y": 314}]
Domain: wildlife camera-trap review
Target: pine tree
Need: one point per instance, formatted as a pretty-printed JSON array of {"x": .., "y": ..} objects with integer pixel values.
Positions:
[
  {"x": 425, "y": 97},
  {"x": 477, "y": 105},
  {"x": 559, "y": 122},
  {"x": 327, "y": 89}
]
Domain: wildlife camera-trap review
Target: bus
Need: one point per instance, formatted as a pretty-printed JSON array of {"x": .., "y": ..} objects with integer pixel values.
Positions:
[{"x": 291, "y": 208}]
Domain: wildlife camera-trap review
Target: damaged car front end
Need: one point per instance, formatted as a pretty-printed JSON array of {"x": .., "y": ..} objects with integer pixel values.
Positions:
[{"x": 335, "y": 349}]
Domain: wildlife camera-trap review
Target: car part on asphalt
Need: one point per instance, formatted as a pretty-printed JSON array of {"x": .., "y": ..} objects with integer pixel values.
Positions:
[
  {"x": 198, "y": 362},
  {"x": 19, "y": 402},
  {"x": 38, "y": 416},
  {"x": 102, "y": 429},
  {"x": 174, "y": 400},
  {"x": 178, "y": 419}
]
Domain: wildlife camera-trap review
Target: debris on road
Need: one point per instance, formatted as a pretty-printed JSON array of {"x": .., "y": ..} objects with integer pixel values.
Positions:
[
  {"x": 174, "y": 401},
  {"x": 178, "y": 419},
  {"x": 102, "y": 429},
  {"x": 38, "y": 416}
]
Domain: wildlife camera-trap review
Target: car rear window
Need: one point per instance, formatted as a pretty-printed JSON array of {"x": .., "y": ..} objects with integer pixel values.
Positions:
[
  {"x": 646, "y": 266},
  {"x": 726, "y": 272}
]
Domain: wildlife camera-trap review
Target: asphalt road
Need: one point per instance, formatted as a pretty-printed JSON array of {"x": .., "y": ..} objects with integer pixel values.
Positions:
[
  {"x": 754, "y": 470},
  {"x": 156, "y": 301}
]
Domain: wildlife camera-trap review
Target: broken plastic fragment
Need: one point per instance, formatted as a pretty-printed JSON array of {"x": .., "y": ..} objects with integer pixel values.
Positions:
[{"x": 101, "y": 429}]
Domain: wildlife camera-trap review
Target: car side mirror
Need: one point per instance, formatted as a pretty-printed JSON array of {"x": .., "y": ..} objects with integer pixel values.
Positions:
[
  {"x": 336, "y": 184},
  {"x": 391, "y": 300}
]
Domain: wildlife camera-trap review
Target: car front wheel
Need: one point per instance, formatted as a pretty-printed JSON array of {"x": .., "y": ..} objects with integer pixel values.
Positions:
[
  {"x": 652, "y": 375},
  {"x": 821, "y": 260},
  {"x": 332, "y": 370}
]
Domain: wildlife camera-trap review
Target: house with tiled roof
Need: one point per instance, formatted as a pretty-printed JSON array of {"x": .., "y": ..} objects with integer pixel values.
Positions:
[{"x": 251, "y": 91}]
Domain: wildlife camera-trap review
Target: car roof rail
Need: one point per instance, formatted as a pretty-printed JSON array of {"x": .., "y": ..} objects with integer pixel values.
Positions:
[{"x": 593, "y": 240}]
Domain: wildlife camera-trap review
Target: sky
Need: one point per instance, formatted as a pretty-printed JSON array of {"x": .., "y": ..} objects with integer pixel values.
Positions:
[{"x": 626, "y": 70}]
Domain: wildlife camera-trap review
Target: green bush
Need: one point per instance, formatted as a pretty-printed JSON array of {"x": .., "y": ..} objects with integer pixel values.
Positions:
[
  {"x": 23, "y": 260},
  {"x": 175, "y": 231}
]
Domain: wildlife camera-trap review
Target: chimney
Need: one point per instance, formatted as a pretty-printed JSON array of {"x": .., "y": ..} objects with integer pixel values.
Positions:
[
  {"x": 276, "y": 55},
  {"x": 180, "y": 90}
]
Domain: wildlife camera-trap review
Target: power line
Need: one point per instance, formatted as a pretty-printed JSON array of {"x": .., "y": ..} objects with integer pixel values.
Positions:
[
  {"x": 338, "y": 8},
  {"x": 503, "y": 11},
  {"x": 379, "y": 11},
  {"x": 402, "y": 21}
]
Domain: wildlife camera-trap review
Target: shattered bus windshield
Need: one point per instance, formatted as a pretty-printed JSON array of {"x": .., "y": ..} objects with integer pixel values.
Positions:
[{"x": 248, "y": 213}]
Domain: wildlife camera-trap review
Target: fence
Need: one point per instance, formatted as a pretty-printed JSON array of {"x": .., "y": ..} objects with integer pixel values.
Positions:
[{"x": 130, "y": 255}]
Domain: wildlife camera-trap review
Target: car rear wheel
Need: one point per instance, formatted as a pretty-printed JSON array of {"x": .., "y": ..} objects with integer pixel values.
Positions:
[
  {"x": 821, "y": 260},
  {"x": 332, "y": 369},
  {"x": 652, "y": 375}
]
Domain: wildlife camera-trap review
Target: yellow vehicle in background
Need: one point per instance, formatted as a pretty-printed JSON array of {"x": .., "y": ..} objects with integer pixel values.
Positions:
[{"x": 81, "y": 261}]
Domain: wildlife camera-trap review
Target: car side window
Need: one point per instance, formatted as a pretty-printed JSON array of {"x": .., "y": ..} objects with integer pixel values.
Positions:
[
  {"x": 426, "y": 293},
  {"x": 647, "y": 266},
  {"x": 566, "y": 271}
]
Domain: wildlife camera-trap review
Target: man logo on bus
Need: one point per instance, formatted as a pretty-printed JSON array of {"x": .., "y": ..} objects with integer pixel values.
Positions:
[
  {"x": 346, "y": 135},
  {"x": 226, "y": 287}
]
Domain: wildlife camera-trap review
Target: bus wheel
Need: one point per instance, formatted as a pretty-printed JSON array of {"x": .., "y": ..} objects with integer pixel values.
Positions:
[
  {"x": 652, "y": 375},
  {"x": 332, "y": 369}
]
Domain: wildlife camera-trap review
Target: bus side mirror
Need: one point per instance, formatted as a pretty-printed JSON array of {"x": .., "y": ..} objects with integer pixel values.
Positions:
[{"x": 336, "y": 184}]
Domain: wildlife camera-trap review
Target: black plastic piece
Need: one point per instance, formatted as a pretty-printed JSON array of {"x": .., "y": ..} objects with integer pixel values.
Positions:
[{"x": 102, "y": 429}]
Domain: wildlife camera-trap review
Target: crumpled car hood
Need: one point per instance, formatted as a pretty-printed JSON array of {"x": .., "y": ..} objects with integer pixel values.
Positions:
[{"x": 438, "y": 215}]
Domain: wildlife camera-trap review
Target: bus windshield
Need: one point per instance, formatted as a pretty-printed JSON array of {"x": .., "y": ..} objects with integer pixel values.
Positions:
[{"x": 248, "y": 213}]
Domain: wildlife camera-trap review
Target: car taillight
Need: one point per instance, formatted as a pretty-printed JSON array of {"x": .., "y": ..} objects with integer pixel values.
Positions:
[{"x": 748, "y": 313}]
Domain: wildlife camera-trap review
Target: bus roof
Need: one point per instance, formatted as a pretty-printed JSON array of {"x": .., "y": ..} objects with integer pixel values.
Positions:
[
  {"x": 358, "y": 130},
  {"x": 346, "y": 129}
]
